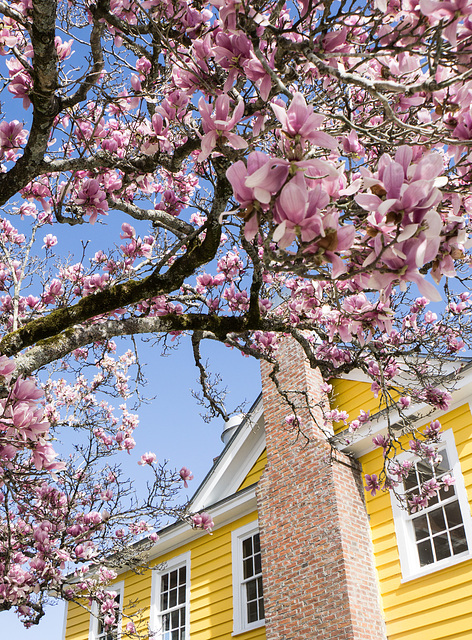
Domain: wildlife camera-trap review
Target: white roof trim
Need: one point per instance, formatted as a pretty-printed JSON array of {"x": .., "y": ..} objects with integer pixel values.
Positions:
[
  {"x": 235, "y": 462},
  {"x": 361, "y": 441},
  {"x": 175, "y": 536}
]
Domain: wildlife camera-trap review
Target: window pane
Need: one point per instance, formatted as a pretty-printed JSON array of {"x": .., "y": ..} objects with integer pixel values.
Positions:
[
  {"x": 441, "y": 546},
  {"x": 182, "y": 594},
  {"x": 257, "y": 564},
  {"x": 425, "y": 553},
  {"x": 259, "y": 587},
  {"x": 173, "y": 579},
  {"x": 166, "y": 622},
  {"x": 436, "y": 520},
  {"x": 458, "y": 539},
  {"x": 247, "y": 547},
  {"x": 182, "y": 575},
  {"x": 173, "y": 598},
  {"x": 453, "y": 514},
  {"x": 443, "y": 466},
  {"x": 424, "y": 471},
  {"x": 165, "y": 600},
  {"x": 165, "y": 582},
  {"x": 257, "y": 543},
  {"x": 432, "y": 501},
  {"x": 411, "y": 481},
  {"x": 248, "y": 569},
  {"x": 251, "y": 592},
  {"x": 252, "y": 611},
  {"x": 420, "y": 526},
  {"x": 447, "y": 492},
  {"x": 174, "y": 619}
]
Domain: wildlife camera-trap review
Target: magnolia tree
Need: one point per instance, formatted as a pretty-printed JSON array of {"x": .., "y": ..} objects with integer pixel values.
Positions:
[{"x": 265, "y": 168}]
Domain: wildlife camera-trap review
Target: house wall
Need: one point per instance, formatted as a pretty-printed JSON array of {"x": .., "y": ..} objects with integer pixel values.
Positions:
[
  {"x": 211, "y": 592},
  {"x": 78, "y": 622},
  {"x": 256, "y": 471},
  {"x": 352, "y": 396},
  {"x": 436, "y": 606}
]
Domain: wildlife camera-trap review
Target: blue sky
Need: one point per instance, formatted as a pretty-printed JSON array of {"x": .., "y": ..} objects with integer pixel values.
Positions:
[{"x": 171, "y": 427}]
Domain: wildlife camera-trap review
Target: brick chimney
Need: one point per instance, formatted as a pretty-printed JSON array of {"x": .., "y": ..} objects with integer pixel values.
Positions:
[{"x": 319, "y": 576}]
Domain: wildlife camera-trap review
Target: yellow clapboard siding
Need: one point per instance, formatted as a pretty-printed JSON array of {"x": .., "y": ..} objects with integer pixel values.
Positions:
[
  {"x": 212, "y": 567},
  {"x": 78, "y": 622},
  {"x": 439, "y": 595},
  {"x": 219, "y": 549},
  {"x": 352, "y": 396},
  {"x": 443, "y": 629},
  {"x": 205, "y": 600},
  {"x": 431, "y": 607},
  {"x": 211, "y": 603},
  {"x": 74, "y": 612},
  {"x": 203, "y": 592},
  {"x": 256, "y": 471}
]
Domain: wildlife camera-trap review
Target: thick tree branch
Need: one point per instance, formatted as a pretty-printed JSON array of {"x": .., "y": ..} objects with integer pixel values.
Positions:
[
  {"x": 122, "y": 295},
  {"x": 160, "y": 218},
  {"x": 138, "y": 163},
  {"x": 45, "y": 103}
]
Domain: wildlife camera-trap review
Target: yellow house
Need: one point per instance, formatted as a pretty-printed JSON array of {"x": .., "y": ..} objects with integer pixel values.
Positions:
[{"x": 298, "y": 552}]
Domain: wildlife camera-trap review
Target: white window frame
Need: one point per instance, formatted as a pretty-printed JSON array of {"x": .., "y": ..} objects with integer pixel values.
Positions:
[
  {"x": 409, "y": 559},
  {"x": 240, "y": 624},
  {"x": 155, "y": 619},
  {"x": 119, "y": 587}
]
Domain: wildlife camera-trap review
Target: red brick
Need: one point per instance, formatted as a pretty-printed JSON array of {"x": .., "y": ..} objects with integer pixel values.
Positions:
[{"x": 318, "y": 570}]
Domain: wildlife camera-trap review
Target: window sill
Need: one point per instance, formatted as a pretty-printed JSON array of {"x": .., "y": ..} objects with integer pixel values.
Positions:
[
  {"x": 438, "y": 566},
  {"x": 250, "y": 627}
]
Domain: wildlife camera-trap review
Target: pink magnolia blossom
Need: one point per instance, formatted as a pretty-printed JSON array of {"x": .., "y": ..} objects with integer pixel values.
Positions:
[
  {"x": 298, "y": 208},
  {"x": 147, "y": 458},
  {"x": 372, "y": 484},
  {"x": 300, "y": 120},
  {"x": 185, "y": 474},
  {"x": 12, "y": 137},
  {"x": 203, "y": 520},
  {"x": 218, "y": 127},
  {"x": 92, "y": 198},
  {"x": 49, "y": 241},
  {"x": 20, "y": 81},
  {"x": 448, "y": 481},
  {"x": 452, "y": 11}
]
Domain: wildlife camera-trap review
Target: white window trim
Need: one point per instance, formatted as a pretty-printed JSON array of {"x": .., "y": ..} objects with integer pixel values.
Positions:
[
  {"x": 409, "y": 560},
  {"x": 239, "y": 610},
  {"x": 119, "y": 587},
  {"x": 170, "y": 565}
]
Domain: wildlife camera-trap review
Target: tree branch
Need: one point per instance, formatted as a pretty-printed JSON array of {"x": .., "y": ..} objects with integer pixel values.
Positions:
[
  {"x": 160, "y": 218},
  {"x": 46, "y": 105},
  {"x": 128, "y": 293}
]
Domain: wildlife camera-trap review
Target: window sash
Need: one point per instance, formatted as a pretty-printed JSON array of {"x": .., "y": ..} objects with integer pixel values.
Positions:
[
  {"x": 412, "y": 564},
  {"x": 170, "y": 600},
  {"x": 248, "y": 603},
  {"x": 173, "y": 603}
]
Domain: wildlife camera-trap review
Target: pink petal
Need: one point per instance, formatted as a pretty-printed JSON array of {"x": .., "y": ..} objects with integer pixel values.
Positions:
[{"x": 392, "y": 178}]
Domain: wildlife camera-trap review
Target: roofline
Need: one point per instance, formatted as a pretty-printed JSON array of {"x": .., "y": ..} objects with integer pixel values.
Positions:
[
  {"x": 222, "y": 512},
  {"x": 251, "y": 418},
  {"x": 360, "y": 443}
]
